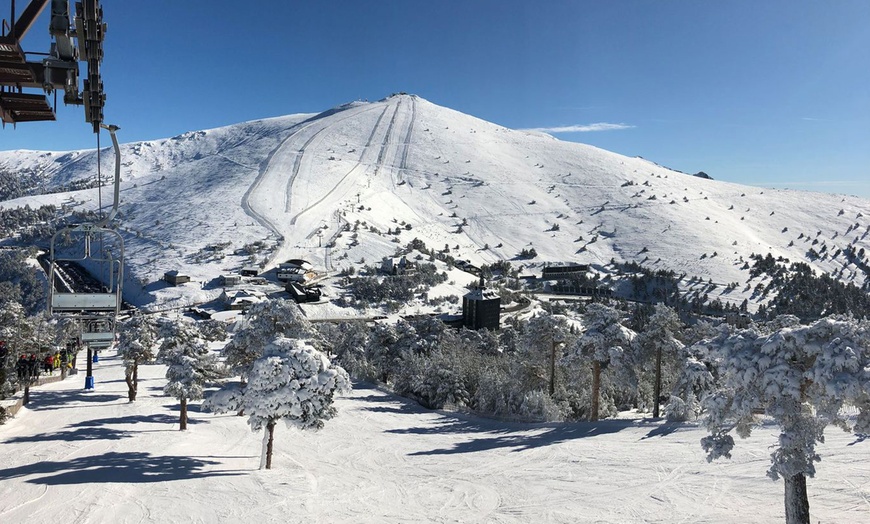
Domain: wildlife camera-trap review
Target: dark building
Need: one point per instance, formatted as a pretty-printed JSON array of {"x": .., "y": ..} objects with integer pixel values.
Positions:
[
  {"x": 303, "y": 294},
  {"x": 559, "y": 272},
  {"x": 481, "y": 308},
  {"x": 175, "y": 278}
]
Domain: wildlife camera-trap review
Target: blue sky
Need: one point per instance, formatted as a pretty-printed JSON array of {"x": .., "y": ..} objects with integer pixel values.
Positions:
[{"x": 773, "y": 93}]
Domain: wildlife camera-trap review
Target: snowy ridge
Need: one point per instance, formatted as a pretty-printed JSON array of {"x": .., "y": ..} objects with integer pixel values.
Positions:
[{"x": 444, "y": 177}]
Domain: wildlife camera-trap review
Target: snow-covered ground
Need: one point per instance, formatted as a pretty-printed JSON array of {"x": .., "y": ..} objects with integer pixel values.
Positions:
[{"x": 76, "y": 456}]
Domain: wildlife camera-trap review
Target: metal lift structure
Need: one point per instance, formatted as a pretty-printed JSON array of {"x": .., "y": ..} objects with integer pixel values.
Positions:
[
  {"x": 26, "y": 86},
  {"x": 96, "y": 312},
  {"x": 74, "y": 40}
]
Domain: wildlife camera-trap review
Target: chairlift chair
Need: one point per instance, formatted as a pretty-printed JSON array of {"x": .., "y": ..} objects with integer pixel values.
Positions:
[{"x": 96, "y": 312}]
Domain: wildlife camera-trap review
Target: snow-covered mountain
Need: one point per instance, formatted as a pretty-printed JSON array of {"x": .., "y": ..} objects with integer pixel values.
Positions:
[{"x": 365, "y": 178}]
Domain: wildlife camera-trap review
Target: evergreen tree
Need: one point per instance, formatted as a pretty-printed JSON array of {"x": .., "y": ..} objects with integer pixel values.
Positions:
[
  {"x": 348, "y": 340},
  {"x": 13, "y": 333},
  {"x": 545, "y": 338},
  {"x": 136, "y": 345},
  {"x": 659, "y": 341},
  {"x": 291, "y": 380},
  {"x": 189, "y": 364},
  {"x": 603, "y": 344},
  {"x": 263, "y": 322},
  {"x": 802, "y": 377}
]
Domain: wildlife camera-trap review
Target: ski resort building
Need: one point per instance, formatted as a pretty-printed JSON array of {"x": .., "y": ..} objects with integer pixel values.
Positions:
[
  {"x": 396, "y": 266},
  {"x": 481, "y": 308},
  {"x": 230, "y": 280},
  {"x": 295, "y": 270},
  {"x": 297, "y": 262},
  {"x": 302, "y": 293},
  {"x": 241, "y": 299},
  {"x": 562, "y": 272},
  {"x": 294, "y": 274},
  {"x": 175, "y": 278}
]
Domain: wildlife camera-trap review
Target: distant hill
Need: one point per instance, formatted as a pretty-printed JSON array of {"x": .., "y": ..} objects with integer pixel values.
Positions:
[{"x": 354, "y": 182}]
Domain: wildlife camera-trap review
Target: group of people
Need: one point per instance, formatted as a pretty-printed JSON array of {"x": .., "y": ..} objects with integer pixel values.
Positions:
[{"x": 29, "y": 366}]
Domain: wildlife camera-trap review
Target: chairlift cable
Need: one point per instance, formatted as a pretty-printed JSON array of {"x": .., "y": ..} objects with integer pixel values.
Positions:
[
  {"x": 99, "y": 179},
  {"x": 100, "y": 200}
]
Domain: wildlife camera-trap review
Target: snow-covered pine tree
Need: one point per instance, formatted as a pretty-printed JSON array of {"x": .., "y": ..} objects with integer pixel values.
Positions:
[
  {"x": 189, "y": 364},
  {"x": 690, "y": 386},
  {"x": 348, "y": 341},
  {"x": 291, "y": 381},
  {"x": 441, "y": 367},
  {"x": 603, "y": 344},
  {"x": 660, "y": 339},
  {"x": 23, "y": 336},
  {"x": 65, "y": 329},
  {"x": 389, "y": 345},
  {"x": 137, "y": 344},
  {"x": 802, "y": 377},
  {"x": 543, "y": 341},
  {"x": 12, "y": 318}
]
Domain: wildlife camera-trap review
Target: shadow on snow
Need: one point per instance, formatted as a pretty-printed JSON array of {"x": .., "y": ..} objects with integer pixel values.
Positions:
[
  {"x": 97, "y": 429},
  {"x": 524, "y": 439},
  {"x": 664, "y": 430},
  {"x": 156, "y": 418},
  {"x": 486, "y": 434},
  {"x": 45, "y": 400},
  {"x": 128, "y": 467}
]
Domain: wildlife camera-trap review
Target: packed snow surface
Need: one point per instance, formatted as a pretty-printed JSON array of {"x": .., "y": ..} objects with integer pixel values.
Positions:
[{"x": 76, "y": 456}]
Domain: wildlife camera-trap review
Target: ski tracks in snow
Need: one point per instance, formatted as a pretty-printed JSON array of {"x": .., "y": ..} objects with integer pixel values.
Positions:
[
  {"x": 287, "y": 163},
  {"x": 356, "y": 166},
  {"x": 246, "y": 198},
  {"x": 400, "y": 166},
  {"x": 276, "y": 165}
]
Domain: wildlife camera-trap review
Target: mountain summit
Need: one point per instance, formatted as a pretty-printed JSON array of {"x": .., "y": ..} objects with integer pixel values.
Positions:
[{"x": 353, "y": 183}]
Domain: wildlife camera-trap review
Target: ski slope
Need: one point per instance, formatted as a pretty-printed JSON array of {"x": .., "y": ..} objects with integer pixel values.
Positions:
[
  {"x": 76, "y": 456},
  {"x": 345, "y": 187}
]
